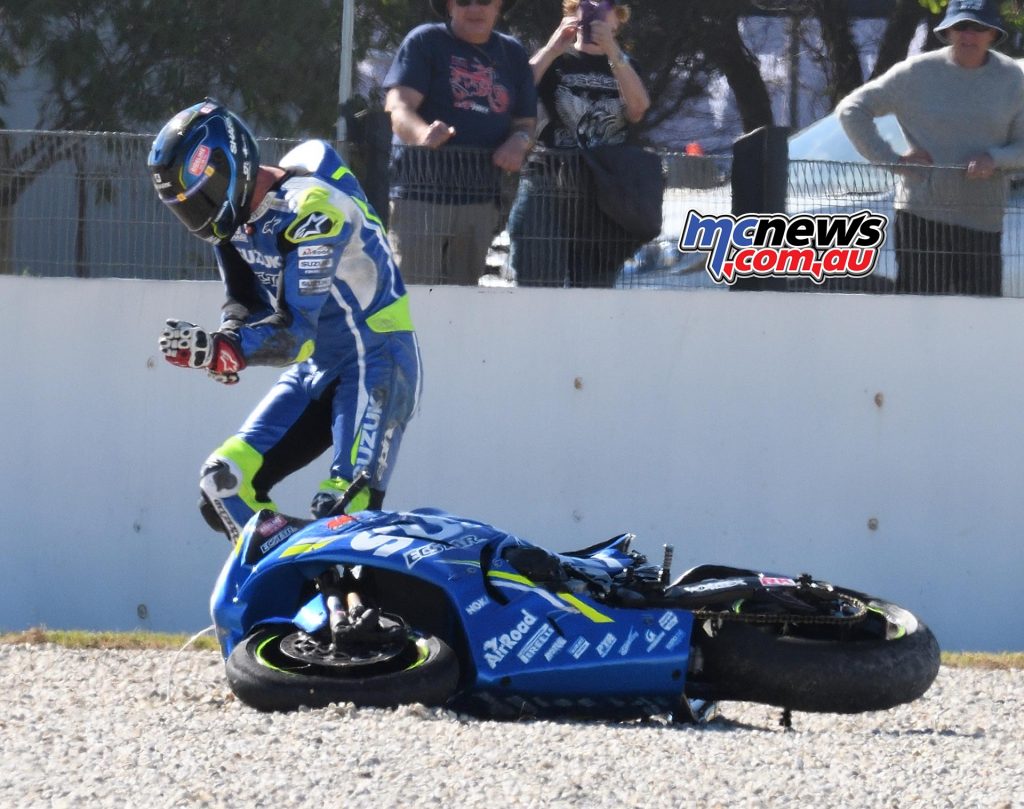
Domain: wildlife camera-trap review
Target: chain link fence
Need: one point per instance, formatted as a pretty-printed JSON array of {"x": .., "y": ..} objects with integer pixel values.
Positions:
[
  {"x": 943, "y": 234},
  {"x": 81, "y": 204}
]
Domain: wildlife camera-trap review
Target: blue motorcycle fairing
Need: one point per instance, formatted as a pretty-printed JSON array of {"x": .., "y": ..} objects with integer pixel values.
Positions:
[
  {"x": 550, "y": 645},
  {"x": 266, "y": 591},
  {"x": 312, "y": 616}
]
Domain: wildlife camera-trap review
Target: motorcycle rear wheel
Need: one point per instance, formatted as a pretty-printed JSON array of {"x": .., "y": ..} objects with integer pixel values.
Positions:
[
  {"x": 265, "y": 677},
  {"x": 822, "y": 668}
]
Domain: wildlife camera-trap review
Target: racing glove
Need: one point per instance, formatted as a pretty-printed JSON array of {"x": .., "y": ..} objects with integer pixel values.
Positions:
[{"x": 188, "y": 346}]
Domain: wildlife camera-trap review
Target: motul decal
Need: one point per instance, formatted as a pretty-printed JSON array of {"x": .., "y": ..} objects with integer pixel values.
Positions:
[{"x": 200, "y": 157}]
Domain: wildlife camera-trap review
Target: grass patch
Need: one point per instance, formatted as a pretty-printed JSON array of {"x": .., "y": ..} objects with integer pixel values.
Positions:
[
  {"x": 1001, "y": 661},
  {"x": 81, "y": 639}
]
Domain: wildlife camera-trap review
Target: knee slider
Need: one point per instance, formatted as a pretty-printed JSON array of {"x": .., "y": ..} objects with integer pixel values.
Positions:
[{"x": 218, "y": 480}]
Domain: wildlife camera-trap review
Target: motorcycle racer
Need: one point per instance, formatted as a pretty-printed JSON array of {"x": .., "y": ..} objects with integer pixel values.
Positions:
[{"x": 311, "y": 285}]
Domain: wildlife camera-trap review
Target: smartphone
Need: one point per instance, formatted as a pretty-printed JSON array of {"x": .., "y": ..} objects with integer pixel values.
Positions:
[{"x": 591, "y": 10}]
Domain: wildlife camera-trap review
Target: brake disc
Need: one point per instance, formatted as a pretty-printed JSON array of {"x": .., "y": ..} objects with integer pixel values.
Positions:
[{"x": 308, "y": 648}]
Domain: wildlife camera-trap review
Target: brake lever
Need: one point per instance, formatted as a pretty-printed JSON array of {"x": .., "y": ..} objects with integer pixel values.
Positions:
[{"x": 361, "y": 481}]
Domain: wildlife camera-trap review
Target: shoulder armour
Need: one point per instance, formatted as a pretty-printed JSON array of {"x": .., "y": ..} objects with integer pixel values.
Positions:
[{"x": 316, "y": 215}]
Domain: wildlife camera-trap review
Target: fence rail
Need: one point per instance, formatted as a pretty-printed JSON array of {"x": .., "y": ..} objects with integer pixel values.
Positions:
[{"x": 81, "y": 204}]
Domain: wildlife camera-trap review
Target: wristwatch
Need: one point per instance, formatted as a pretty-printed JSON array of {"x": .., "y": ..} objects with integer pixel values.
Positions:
[
  {"x": 525, "y": 135},
  {"x": 617, "y": 61}
]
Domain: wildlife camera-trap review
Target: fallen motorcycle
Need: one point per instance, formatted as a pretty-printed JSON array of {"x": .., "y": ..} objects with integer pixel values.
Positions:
[{"x": 384, "y": 608}]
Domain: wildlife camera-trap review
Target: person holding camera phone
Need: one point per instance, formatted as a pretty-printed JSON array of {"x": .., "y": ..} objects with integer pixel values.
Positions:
[{"x": 589, "y": 93}]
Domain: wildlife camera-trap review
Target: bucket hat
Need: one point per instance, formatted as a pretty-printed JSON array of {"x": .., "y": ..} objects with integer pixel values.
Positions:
[{"x": 983, "y": 12}]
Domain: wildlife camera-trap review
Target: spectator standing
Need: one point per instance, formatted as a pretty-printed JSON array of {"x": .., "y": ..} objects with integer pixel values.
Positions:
[
  {"x": 311, "y": 285},
  {"x": 455, "y": 84},
  {"x": 960, "y": 106},
  {"x": 590, "y": 93}
]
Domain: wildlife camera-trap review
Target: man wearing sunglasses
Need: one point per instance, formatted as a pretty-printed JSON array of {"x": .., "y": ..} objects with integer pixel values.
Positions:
[
  {"x": 961, "y": 109},
  {"x": 463, "y": 107}
]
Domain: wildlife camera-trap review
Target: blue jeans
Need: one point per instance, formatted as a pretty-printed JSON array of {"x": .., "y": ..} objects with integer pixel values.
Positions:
[{"x": 558, "y": 235}]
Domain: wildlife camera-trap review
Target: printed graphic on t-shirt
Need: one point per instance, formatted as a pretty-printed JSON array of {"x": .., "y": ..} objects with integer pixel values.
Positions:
[
  {"x": 474, "y": 87},
  {"x": 589, "y": 107}
]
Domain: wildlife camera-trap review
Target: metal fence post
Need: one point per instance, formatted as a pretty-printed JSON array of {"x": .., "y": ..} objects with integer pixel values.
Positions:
[
  {"x": 377, "y": 145},
  {"x": 368, "y": 152},
  {"x": 760, "y": 174}
]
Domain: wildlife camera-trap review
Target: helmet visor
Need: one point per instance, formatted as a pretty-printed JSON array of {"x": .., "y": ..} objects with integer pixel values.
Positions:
[{"x": 201, "y": 202}]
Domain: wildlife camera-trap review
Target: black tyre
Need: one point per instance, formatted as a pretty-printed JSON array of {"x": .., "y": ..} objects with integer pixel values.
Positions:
[
  {"x": 888, "y": 659},
  {"x": 423, "y": 669}
]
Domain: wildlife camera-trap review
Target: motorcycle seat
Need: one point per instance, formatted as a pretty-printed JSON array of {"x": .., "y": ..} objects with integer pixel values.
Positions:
[{"x": 621, "y": 541}]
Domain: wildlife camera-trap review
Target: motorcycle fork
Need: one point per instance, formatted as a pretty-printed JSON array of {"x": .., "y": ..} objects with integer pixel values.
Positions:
[{"x": 339, "y": 587}]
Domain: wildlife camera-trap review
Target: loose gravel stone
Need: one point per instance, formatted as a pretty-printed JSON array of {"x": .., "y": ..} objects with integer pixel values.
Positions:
[{"x": 147, "y": 728}]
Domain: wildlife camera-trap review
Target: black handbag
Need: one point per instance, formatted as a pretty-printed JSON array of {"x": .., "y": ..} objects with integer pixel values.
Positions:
[{"x": 630, "y": 186}]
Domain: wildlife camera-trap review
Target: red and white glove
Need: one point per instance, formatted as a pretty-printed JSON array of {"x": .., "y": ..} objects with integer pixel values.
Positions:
[{"x": 188, "y": 346}]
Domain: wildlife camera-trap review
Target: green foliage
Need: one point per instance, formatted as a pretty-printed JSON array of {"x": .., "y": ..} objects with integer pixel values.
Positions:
[
  {"x": 125, "y": 64},
  {"x": 1013, "y": 15},
  {"x": 130, "y": 64}
]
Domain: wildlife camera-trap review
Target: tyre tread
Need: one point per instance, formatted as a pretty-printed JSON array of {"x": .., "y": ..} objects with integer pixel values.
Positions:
[{"x": 745, "y": 663}]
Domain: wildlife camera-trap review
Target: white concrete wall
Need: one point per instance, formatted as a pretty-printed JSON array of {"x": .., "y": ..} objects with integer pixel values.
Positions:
[{"x": 745, "y": 428}]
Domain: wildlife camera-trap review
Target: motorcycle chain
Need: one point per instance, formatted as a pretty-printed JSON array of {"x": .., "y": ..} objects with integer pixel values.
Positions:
[{"x": 859, "y": 614}]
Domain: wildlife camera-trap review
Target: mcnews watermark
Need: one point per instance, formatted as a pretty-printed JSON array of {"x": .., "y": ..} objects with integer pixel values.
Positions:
[{"x": 815, "y": 246}]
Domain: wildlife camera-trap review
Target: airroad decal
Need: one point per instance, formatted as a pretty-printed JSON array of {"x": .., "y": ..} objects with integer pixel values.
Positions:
[{"x": 497, "y": 648}]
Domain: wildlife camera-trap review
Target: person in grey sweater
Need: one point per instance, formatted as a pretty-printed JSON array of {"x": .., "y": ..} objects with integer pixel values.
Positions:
[{"x": 961, "y": 109}]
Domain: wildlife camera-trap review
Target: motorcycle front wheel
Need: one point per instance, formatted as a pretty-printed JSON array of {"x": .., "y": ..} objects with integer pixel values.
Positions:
[
  {"x": 279, "y": 668},
  {"x": 887, "y": 659}
]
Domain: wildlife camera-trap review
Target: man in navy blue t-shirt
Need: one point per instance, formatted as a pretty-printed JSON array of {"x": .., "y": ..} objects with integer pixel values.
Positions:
[{"x": 455, "y": 84}]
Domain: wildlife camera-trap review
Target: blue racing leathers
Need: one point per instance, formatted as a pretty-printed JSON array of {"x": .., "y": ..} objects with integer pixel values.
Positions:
[{"x": 312, "y": 285}]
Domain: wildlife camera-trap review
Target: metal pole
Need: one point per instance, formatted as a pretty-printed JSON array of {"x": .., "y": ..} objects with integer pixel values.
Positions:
[
  {"x": 348, "y": 14},
  {"x": 794, "y": 72}
]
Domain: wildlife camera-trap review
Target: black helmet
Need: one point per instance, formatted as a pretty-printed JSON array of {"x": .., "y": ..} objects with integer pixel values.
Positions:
[{"x": 204, "y": 164}]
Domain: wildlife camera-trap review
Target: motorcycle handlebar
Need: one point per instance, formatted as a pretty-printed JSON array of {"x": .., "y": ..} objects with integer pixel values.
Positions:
[{"x": 361, "y": 481}]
